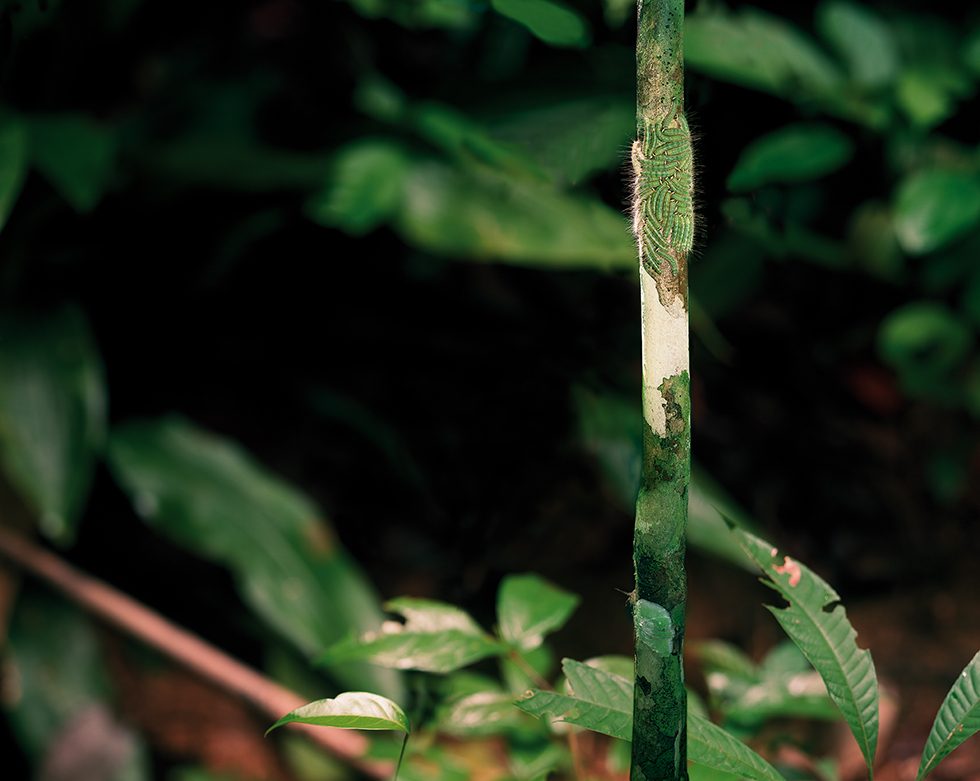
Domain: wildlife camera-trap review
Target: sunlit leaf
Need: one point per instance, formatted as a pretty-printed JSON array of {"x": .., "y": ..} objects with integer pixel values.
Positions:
[
  {"x": 529, "y": 607},
  {"x": 350, "y": 710},
  {"x": 934, "y": 207},
  {"x": 551, "y": 21},
  {"x": 208, "y": 495},
  {"x": 816, "y": 621},
  {"x": 480, "y": 713},
  {"x": 435, "y": 637},
  {"x": 52, "y": 414},
  {"x": 958, "y": 719},
  {"x": 795, "y": 153}
]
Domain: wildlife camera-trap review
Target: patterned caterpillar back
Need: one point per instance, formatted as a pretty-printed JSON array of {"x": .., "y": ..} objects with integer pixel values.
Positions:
[{"x": 663, "y": 190}]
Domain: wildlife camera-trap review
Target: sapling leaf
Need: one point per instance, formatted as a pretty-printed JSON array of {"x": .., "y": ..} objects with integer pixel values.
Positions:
[
  {"x": 710, "y": 745},
  {"x": 816, "y": 621},
  {"x": 529, "y": 607},
  {"x": 602, "y": 701},
  {"x": 957, "y": 719},
  {"x": 435, "y": 637},
  {"x": 349, "y": 710}
]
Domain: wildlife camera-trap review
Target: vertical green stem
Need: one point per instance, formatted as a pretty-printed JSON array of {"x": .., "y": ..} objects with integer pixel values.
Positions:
[{"x": 663, "y": 220}]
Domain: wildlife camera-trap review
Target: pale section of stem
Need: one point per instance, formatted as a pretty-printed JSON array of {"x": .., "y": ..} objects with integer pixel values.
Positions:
[{"x": 665, "y": 348}]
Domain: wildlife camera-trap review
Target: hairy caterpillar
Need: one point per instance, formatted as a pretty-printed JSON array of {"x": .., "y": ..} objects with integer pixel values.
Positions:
[{"x": 663, "y": 187}]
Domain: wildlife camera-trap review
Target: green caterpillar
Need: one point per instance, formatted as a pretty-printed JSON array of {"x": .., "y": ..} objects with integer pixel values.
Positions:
[
  {"x": 663, "y": 193},
  {"x": 654, "y": 627}
]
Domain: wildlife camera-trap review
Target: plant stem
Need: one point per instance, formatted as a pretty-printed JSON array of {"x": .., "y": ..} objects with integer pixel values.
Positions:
[{"x": 663, "y": 221}]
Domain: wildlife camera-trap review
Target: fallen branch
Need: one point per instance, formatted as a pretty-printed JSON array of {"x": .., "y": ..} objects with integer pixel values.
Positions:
[{"x": 125, "y": 613}]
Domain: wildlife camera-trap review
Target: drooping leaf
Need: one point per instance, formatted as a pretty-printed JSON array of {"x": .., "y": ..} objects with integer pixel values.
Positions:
[
  {"x": 710, "y": 745},
  {"x": 795, "y": 153},
  {"x": 816, "y": 621},
  {"x": 208, "y": 495},
  {"x": 595, "y": 699},
  {"x": 435, "y": 637},
  {"x": 861, "y": 39},
  {"x": 13, "y": 164},
  {"x": 551, "y": 21},
  {"x": 958, "y": 719},
  {"x": 75, "y": 154},
  {"x": 934, "y": 207},
  {"x": 350, "y": 710},
  {"x": 529, "y": 607},
  {"x": 52, "y": 414}
]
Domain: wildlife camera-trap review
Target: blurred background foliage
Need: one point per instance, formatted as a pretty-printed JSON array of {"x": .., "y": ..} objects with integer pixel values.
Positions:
[{"x": 304, "y": 302}]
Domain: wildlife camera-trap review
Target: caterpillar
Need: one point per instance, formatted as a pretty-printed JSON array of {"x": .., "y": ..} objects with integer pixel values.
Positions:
[{"x": 663, "y": 193}]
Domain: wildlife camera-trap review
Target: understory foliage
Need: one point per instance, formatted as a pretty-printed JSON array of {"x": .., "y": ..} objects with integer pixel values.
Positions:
[{"x": 304, "y": 302}]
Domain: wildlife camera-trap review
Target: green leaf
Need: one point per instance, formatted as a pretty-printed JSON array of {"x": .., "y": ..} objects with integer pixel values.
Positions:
[
  {"x": 552, "y": 22},
  {"x": 924, "y": 342},
  {"x": 758, "y": 50},
  {"x": 364, "y": 186},
  {"x": 958, "y": 718},
  {"x": 795, "y": 153},
  {"x": 435, "y": 637},
  {"x": 816, "y": 621},
  {"x": 529, "y": 607},
  {"x": 75, "y": 154},
  {"x": 862, "y": 40},
  {"x": 448, "y": 14},
  {"x": 934, "y": 207},
  {"x": 597, "y": 700},
  {"x": 208, "y": 495},
  {"x": 710, "y": 745},
  {"x": 13, "y": 164},
  {"x": 52, "y": 414},
  {"x": 350, "y": 710}
]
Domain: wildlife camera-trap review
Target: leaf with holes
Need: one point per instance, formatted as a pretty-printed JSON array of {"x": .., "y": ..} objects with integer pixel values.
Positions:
[
  {"x": 816, "y": 621},
  {"x": 957, "y": 719}
]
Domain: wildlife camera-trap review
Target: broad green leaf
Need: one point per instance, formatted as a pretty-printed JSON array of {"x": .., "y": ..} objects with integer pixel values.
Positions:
[
  {"x": 710, "y": 745},
  {"x": 934, "y": 207},
  {"x": 52, "y": 414},
  {"x": 364, "y": 186},
  {"x": 758, "y": 50},
  {"x": 595, "y": 699},
  {"x": 717, "y": 656},
  {"x": 208, "y": 495},
  {"x": 480, "y": 713},
  {"x": 861, "y": 39},
  {"x": 925, "y": 342},
  {"x": 13, "y": 164},
  {"x": 484, "y": 214},
  {"x": 76, "y": 154},
  {"x": 517, "y": 677},
  {"x": 958, "y": 718},
  {"x": 350, "y": 710},
  {"x": 551, "y": 21},
  {"x": 435, "y": 637},
  {"x": 816, "y": 621},
  {"x": 795, "y": 153},
  {"x": 529, "y": 607}
]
